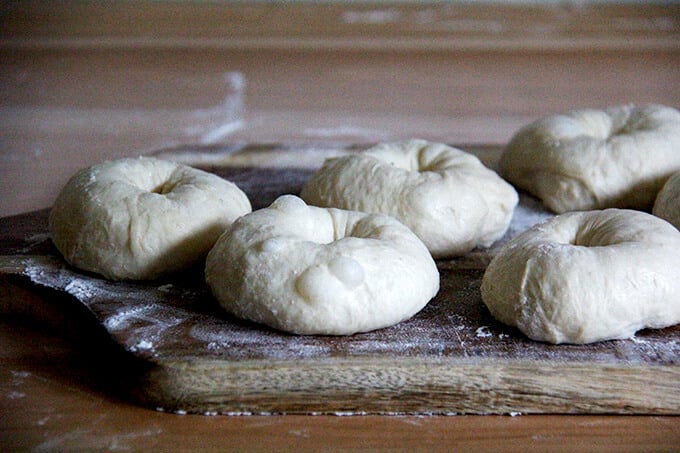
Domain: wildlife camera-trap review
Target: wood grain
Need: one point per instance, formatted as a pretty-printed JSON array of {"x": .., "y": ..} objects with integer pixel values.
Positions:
[
  {"x": 64, "y": 107},
  {"x": 342, "y": 25},
  {"x": 452, "y": 357},
  {"x": 53, "y": 400}
]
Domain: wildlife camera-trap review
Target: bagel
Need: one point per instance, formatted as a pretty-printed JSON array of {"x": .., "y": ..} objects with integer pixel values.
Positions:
[
  {"x": 310, "y": 270},
  {"x": 667, "y": 204},
  {"x": 142, "y": 218},
  {"x": 447, "y": 197},
  {"x": 587, "y": 276},
  {"x": 596, "y": 159}
]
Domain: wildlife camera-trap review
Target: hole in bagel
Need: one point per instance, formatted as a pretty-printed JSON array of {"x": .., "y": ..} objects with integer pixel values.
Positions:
[
  {"x": 164, "y": 188},
  {"x": 412, "y": 159},
  {"x": 428, "y": 162},
  {"x": 628, "y": 122},
  {"x": 622, "y": 129},
  {"x": 597, "y": 232}
]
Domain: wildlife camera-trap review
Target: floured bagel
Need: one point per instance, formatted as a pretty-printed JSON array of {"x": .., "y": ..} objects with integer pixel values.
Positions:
[
  {"x": 595, "y": 159},
  {"x": 447, "y": 197},
  {"x": 310, "y": 270},
  {"x": 587, "y": 276},
  {"x": 142, "y": 218},
  {"x": 667, "y": 204}
]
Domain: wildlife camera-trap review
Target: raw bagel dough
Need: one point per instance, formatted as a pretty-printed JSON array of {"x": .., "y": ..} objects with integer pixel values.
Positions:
[
  {"x": 587, "y": 276},
  {"x": 310, "y": 270},
  {"x": 141, "y": 218},
  {"x": 448, "y": 198},
  {"x": 667, "y": 205},
  {"x": 595, "y": 159}
]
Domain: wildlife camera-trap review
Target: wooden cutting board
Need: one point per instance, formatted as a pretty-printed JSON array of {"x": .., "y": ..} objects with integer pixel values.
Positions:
[{"x": 178, "y": 352}]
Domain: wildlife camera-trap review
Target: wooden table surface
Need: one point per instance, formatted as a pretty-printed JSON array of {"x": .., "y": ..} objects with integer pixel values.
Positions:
[{"x": 71, "y": 98}]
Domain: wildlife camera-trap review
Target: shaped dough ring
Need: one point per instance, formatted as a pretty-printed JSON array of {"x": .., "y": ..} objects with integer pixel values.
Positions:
[
  {"x": 667, "y": 204},
  {"x": 448, "y": 198},
  {"x": 310, "y": 270},
  {"x": 141, "y": 218},
  {"x": 596, "y": 159},
  {"x": 588, "y": 276}
]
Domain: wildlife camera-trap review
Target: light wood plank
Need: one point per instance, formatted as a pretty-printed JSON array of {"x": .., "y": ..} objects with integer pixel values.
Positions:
[{"x": 343, "y": 25}]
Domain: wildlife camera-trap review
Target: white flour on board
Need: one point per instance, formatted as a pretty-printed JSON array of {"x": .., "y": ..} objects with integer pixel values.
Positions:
[
  {"x": 529, "y": 212},
  {"x": 34, "y": 240},
  {"x": 80, "y": 289},
  {"x": 483, "y": 332},
  {"x": 217, "y": 337}
]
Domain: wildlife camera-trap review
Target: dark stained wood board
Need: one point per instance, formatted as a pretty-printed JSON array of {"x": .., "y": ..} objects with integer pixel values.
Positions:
[{"x": 452, "y": 357}]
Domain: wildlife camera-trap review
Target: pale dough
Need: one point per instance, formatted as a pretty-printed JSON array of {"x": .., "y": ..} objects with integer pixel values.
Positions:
[
  {"x": 448, "y": 198},
  {"x": 587, "y": 276},
  {"x": 141, "y": 218},
  {"x": 595, "y": 159},
  {"x": 667, "y": 204},
  {"x": 310, "y": 270}
]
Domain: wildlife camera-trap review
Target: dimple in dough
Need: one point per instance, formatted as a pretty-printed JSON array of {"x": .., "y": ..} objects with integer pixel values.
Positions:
[
  {"x": 310, "y": 270},
  {"x": 447, "y": 197},
  {"x": 587, "y": 276},
  {"x": 667, "y": 204},
  {"x": 595, "y": 159},
  {"x": 142, "y": 218}
]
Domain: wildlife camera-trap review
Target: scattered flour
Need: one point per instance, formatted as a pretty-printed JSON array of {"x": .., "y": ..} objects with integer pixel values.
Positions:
[
  {"x": 34, "y": 240},
  {"x": 637, "y": 340},
  {"x": 80, "y": 289},
  {"x": 483, "y": 332},
  {"x": 166, "y": 288},
  {"x": 274, "y": 345},
  {"x": 18, "y": 378},
  {"x": 143, "y": 345},
  {"x": 349, "y": 413},
  {"x": 35, "y": 273},
  {"x": 126, "y": 316},
  {"x": 529, "y": 212},
  {"x": 42, "y": 421},
  {"x": 20, "y": 374}
]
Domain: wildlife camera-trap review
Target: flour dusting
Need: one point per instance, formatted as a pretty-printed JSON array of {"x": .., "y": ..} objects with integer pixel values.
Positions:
[
  {"x": 126, "y": 316},
  {"x": 142, "y": 345},
  {"x": 80, "y": 289},
  {"x": 166, "y": 288},
  {"x": 637, "y": 340},
  {"x": 35, "y": 273},
  {"x": 14, "y": 395},
  {"x": 34, "y": 240},
  {"x": 42, "y": 421},
  {"x": 20, "y": 374},
  {"x": 242, "y": 341},
  {"x": 529, "y": 212},
  {"x": 483, "y": 332}
]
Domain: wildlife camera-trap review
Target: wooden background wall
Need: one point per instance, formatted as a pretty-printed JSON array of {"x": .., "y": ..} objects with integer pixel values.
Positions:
[{"x": 85, "y": 81}]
